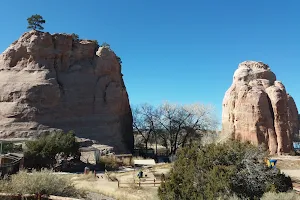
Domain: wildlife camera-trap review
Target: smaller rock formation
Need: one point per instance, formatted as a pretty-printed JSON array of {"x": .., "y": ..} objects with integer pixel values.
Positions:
[{"x": 257, "y": 108}]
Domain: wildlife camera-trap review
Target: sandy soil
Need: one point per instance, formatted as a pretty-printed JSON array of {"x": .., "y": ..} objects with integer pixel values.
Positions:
[
  {"x": 290, "y": 165},
  {"x": 294, "y": 173},
  {"x": 128, "y": 190}
]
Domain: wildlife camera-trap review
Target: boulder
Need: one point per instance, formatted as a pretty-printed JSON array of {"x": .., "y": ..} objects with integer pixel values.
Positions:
[
  {"x": 53, "y": 82},
  {"x": 258, "y": 109}
]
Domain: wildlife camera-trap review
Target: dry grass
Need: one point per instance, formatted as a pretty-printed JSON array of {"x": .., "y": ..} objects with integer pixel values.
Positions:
[
  {"x": 280, "y": 196},
  {"x": 129, "y": 191},
  {"x": 111, "y": 189},
  {"x": 163, "y": 166},
  {"x": 88, "y": 177},
  {"x": 44, "y": 182}
]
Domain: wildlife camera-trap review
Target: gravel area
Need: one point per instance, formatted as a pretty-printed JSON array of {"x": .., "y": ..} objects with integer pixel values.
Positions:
[{"x": 96, "y": 196}]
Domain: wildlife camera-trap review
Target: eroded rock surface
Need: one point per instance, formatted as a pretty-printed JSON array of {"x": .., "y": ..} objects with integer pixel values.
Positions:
[
  {"x": 52, "y": 82},
  {"x": 257, "y": 108}
]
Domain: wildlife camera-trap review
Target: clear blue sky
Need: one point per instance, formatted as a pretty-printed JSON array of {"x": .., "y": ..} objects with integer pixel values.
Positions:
[{"x": 180, "y": 51}]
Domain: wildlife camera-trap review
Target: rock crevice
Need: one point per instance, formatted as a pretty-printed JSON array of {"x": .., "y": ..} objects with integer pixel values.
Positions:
[{"x": 257, "y": 108}]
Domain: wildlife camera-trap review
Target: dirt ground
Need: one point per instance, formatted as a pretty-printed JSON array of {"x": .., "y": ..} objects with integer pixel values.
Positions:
[
  {"x": 289, "y": 165},
  {"x": 128, "y": 190}
]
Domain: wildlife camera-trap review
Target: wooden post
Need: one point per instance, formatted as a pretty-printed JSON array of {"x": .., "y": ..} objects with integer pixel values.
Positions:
[
  {"x": 118, "y": 184},
  {"x": 39, "y": 196},
  {"x": 140, "y": 183},
  {"x": 154, "y": 182},
  {"x": 1, "y": 147}
]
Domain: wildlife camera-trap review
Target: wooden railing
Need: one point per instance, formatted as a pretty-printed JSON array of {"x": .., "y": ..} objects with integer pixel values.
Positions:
[{"x": 148, "y": 182}]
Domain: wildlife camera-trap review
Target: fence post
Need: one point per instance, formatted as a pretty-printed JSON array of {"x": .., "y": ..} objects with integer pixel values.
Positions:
[
  {"x": 118, "y": 184},
  {"x": 154, "y": 182},
  {"x": 140, "y": 183}
]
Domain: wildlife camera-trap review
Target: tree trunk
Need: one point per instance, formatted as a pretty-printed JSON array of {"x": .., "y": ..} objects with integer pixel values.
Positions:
[
  {"x": 155, "y": 144},
  {"x": 146, "y": 145}
]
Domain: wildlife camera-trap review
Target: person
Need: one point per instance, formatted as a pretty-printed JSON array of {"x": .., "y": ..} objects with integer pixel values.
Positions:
[
  {"x": 140, "y": 174},
  {"x": 86, "y": 170}
]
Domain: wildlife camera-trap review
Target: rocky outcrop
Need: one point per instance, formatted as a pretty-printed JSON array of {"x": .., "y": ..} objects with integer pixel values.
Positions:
[
  {"x": 257, "y": 108},
  {"x": 53, "y": 82}
]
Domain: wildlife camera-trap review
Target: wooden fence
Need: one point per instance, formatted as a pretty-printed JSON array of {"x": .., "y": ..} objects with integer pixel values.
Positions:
[{"x": 149, "y": 182}]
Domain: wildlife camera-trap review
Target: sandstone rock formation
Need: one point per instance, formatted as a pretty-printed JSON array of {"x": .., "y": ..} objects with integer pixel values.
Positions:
[
  {"x": 52, "y": 82},
  {"x": 257, "y": 108}
]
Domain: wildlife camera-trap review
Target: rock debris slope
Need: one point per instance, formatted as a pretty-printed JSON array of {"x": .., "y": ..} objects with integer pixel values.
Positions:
[
  {"x": 257, "y": 108},
  {"x": 52, "y": 82}
]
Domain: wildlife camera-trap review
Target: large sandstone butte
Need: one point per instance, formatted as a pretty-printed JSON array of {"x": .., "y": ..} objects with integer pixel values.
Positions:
[
  {"x": 53, "y": 82},
  {"x": 257, "y": 108}
]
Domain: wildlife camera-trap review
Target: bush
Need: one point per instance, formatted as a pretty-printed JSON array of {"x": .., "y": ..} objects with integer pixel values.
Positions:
[
  {"x": 108, "y": 163},
  {"x": 75, "y": 37},
  {"x": 221, "y": 170},
  {"x": 43, "y": 151},
  {"x": 119, "y": 60},
  {"x": 43, "y": 182},
  {"x": 11, "y": 148},
  {"x": 104, "y": 44},
  {"x": 96, "y": 42}
]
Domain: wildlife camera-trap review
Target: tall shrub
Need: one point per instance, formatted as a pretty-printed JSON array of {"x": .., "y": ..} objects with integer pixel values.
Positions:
[{"x": 221, "y": 170}]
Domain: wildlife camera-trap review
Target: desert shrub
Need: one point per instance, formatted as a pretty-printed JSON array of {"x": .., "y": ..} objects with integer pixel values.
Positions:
[
  {"x": 127, "y": 162},
  {"x": 43, "y": 182},
  {"x": 75, "y": 36},
  {"x": 119, "y": 60},
  {"x": 113, "y": 163},
  {"x": 280, "y": 182},
  {"x": 96, "y": 42},
  {"x": 11, "y": 148},
  {"x": 42, "y": 152},
  {"x": 108, "y": 163},
  {"x": 104, "y": 44},
  {"x": 220, "y": 170},
  {"x": 252, "y": 178}
]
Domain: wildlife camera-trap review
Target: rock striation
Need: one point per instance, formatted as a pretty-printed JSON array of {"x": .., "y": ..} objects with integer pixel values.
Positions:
[
  {"x": 257, "y": 108},
  {"x": 53, "y": 82}
]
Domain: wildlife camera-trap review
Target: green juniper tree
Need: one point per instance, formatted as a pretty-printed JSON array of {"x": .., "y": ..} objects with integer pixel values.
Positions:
[
  {"x": 35, "y": 22},
  {"x": 217, "y": 171}
]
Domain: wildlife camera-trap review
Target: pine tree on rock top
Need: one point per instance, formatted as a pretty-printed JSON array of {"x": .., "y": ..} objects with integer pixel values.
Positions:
[{"x": 35, "y": 22}]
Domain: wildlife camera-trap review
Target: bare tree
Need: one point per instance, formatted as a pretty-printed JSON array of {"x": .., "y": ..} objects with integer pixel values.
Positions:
[
  {"x": 179, "y": 124},
  {"x": 144, "y": 121}
]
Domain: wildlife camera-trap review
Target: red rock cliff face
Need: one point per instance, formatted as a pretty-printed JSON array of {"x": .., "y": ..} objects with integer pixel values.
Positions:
[
  {"x": 257, "y": 108},
  {"x": 50, "y": 82}
]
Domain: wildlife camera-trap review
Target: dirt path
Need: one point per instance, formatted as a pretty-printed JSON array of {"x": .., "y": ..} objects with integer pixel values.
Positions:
[{"x": 290, "y": 165}]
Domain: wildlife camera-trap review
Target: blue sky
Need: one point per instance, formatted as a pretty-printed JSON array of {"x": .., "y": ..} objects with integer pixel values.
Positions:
[{"x": 180, "y": 51}]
